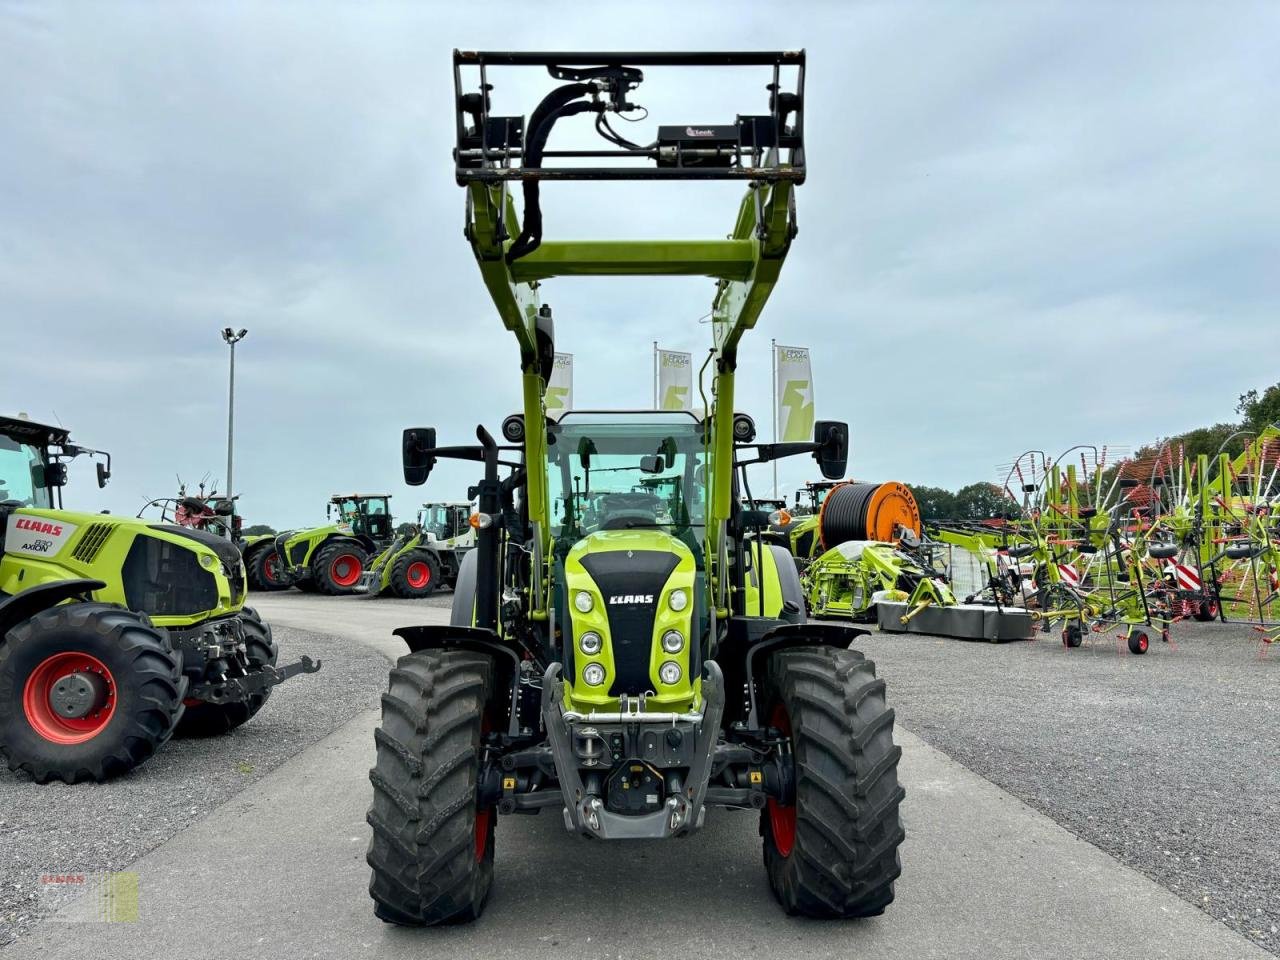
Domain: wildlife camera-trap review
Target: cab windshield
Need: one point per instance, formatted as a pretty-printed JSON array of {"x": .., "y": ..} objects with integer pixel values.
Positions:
[
  {"x": 22, "y": 475},
  {"x": 442, "y": 521},
  {"x": 627, "y": 472}
]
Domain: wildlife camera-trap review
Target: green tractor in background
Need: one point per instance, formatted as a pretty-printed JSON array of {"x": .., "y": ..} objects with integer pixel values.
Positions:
[
  {"x": 619, "y": 654},
  {"x": 329, "y": 559},
  {"x": 425, "y": 557},
  {"x": 114, "y": 631}
]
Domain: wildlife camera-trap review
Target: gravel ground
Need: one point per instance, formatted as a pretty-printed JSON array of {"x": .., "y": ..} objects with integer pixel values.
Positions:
[
  {"x": 89, "y": 828},
  {"x": 1169, "y": 762}
]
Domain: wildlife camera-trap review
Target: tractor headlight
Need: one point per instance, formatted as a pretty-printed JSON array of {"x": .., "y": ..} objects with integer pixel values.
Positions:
[
  {"x": 590, "y": 643},
  {"x": 678, "y": 600},
  {"x": 582, "y": 600},
  {"x": 208, "y": 560},
  {"x": 593, "y": 674},
  {"x": 672, "y": 641},
  {"x": 670, "y": 672}
]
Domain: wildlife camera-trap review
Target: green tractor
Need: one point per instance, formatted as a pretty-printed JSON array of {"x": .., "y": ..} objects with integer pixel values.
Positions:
[
  {"x": 619, "y": 653},
  {"x": 114, "y": 631},
  {"x": 329, "y": 559},
  {"x": 424, "y": 558}
]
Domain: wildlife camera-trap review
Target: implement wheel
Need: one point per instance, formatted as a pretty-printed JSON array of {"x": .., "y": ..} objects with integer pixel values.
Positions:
[
  {"x": 1072, "y": 635},
  {"x": 203, "y": 719},
  {"x": 1139, "y": 642},
  {"x": 87, "y": 692},
  {"x": 432, "y": 847},
  {"x": 415, "y": 575},
  {"x": 337, "y": 567},
  {"x": 832, "y": 851}
]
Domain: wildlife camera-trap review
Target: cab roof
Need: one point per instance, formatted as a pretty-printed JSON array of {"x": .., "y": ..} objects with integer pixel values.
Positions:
[
  {"x": 359, "y": 496},
  {"x": 29, "y": 431}
]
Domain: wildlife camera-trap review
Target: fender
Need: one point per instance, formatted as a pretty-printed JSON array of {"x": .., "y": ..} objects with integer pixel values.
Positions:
[
  {"x": 506, "y": 659},
  {"x": 25, "y": 605},
  {"x": 791, "y": 635}
]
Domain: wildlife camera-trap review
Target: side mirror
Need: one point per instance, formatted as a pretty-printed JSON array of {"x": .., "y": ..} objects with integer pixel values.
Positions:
[
  {"x": 833, "y": 453},
  {"x": 544, "y": 334},
  {"x": 415, "y": 454},
  {"x": 586, "y": 447},
  {"x": 104, "y": 474},
  {"x": 652, "y": 464}
]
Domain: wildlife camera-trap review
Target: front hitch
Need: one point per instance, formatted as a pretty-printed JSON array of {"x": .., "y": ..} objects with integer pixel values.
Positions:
[{"x": 238, "y": 689}]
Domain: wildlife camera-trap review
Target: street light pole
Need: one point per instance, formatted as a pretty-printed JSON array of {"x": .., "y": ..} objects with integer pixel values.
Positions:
[{"x": 232, "y": 337}]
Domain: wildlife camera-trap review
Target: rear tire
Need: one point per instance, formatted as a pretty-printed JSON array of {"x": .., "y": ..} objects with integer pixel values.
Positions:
[
  {"x": 432, "y": 850},
  {"x": 141, "y": 690},
  {"x": 834, "y": 852},
  {"x": 415, "y": 575},
  {"x": 203, "y": 719},
  {"x": 337, "y": 567}
]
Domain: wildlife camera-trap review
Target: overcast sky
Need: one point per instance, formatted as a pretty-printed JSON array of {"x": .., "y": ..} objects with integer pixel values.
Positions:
[{"x": 1024, "y": 226}]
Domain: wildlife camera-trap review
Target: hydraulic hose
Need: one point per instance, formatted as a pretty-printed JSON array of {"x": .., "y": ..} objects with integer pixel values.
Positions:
[{"x": 558, "y": 103}]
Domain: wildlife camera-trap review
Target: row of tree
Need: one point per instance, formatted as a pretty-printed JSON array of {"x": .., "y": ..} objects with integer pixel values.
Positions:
[{"x": 978, "y": 501}]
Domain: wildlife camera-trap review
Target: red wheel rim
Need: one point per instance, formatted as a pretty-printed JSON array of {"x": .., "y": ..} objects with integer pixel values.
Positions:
[
  {"x": 345, "y": 569},
  {"x": 1143, "y": 642},
  {"x": 269, "y": 567},
  {"x": 36, "y": 705},
  {"x": 418, "y": 574},
  {"x": 782, "y": 819}
]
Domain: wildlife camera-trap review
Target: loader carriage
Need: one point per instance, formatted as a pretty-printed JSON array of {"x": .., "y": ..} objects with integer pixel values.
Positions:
[
  {"x": 620, "y": 651},
  {"x": 424, "y": 558},
  {"x": 114, "y": 631}
]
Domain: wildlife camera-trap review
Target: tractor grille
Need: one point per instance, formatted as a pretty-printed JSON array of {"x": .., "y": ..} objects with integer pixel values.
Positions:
[
  {"x": 619, "y": 573},
  {"x": 298, "y": 553},
  {"x": 92, "y": 541},
  {"x": 166, "y": 579}
]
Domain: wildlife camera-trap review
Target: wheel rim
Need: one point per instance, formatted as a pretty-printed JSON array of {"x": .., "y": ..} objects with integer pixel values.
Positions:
[
  {"x": 782, "y": 819},
  {"x": 418, "y": 574},
  {"x": 42, "y": 687},
  {"x": 345, "y": 569},
  {"x": 269, "y": 568}
]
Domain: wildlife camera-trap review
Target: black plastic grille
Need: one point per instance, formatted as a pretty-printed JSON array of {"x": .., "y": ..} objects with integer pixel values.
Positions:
[
  {"x": 166, "y": 579},
  {"x": 630, "y": 573}
]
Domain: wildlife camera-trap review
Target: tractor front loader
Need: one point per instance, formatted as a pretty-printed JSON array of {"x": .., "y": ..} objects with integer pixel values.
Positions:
[
  {"x": 114, "y": 631},
  {"x": 329, "y": 559},
  {"x": 424, "y": 559},
  {"x": 620, "y": 654}
]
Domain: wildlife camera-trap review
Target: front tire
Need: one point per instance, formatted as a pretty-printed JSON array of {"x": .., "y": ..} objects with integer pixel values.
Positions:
[
  {"x": 203, "y": 719},
  {"x": 337, "y": 567},
  {"x": 103, "y": 660},
  {"x": 833, "y": 853},
  {"x": 432, "y": 849},
  {"x": 415, "y": 575},
  {"x": 266, "y": 572}
]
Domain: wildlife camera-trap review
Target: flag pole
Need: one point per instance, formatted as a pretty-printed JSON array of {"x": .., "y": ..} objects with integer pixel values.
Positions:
[
  {"x": 655, "y": 374},
  {"x": 773, "y": 364}
]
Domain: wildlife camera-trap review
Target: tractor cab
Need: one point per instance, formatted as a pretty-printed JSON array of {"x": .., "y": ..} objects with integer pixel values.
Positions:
[
  {"x": 809, "y": 499},
  {"x": 444, "y": 521},
  {"x": 367, "y": 514},
  {"x": 33, "y": 463}
]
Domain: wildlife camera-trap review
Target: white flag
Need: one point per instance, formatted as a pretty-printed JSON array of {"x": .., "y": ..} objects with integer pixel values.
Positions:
[
  {"x": 560, "y": 389},
  {"x": 675, "y": 380},
  {"x": 795, "y": 393}
]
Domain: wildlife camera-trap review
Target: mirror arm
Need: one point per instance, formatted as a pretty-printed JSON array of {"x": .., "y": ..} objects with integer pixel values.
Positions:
[{"x": 765, "y": 452}]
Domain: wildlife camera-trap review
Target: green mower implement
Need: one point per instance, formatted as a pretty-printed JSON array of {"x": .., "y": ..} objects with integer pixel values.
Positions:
[
  {"x": 329, "y": 559},
  {"x": 619, "y": 653},
  {"x": 427, "y": 557},
  {"x": 114, "y": 631}
]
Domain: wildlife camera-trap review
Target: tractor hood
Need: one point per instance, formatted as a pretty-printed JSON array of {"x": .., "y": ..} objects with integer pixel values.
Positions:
[
  {"x": 176, "y": 574},
  {"x": 631, "y": 588}
]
